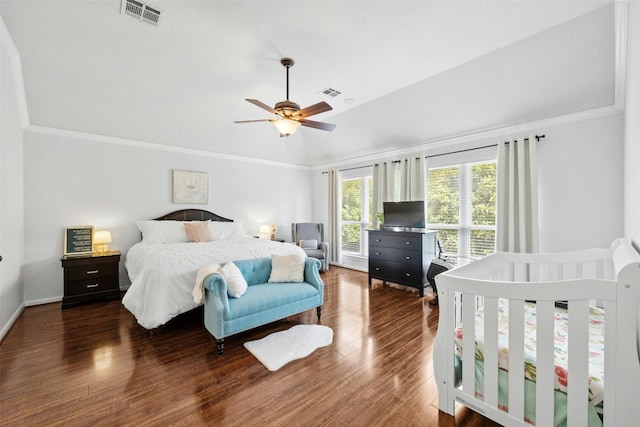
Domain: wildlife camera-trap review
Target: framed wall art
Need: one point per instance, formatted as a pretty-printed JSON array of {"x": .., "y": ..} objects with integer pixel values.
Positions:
[
  {"x": 190, "y": 187},
  {"x": 78, "y": 240}
]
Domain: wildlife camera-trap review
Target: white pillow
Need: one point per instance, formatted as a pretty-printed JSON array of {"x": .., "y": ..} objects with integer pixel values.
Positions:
[
  {"x": 236, "y": 283},
  {"x": 225, "y": 230},
  {"x": 309, "y": 244},
  {"x": 162, "y": 231},
  {"x": 287, "y": 268}
]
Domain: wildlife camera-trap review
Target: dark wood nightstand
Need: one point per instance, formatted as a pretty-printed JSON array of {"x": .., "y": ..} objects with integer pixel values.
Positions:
[{"x": 90, "y": 277}]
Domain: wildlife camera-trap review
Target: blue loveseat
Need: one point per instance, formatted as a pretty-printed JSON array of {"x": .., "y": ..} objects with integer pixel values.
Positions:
[{"x": 263, "y": 302}]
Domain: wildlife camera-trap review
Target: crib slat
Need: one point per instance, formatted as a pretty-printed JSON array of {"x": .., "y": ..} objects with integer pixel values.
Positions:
[
  {"x": 544, "y": 363},
  {"x": 516, "y": 358},
  {"x": 491, "y": 351},
  {"x": 610, "y": 358},
  {"x": 578, "y": 368},
  {"x": 468, "y": 344}
]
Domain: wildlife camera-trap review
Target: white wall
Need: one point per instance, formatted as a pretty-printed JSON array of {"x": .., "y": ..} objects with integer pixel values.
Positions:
[
  {"x": 75, "y": 180},
  {"x": 581, "y": 184},
  {"x": 11, "y": 209},
  {"x": 632, "y": 128}
]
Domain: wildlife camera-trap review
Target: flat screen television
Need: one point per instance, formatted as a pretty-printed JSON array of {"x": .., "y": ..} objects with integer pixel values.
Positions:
[{"x": 404, "y": 214}]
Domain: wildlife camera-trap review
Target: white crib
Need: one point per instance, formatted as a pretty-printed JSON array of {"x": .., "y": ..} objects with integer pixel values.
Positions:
[{"x": 606, "y": 277}]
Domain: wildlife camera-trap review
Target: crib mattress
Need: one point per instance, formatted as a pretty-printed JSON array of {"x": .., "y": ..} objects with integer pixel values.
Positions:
[{"x": 596, "y": 345}]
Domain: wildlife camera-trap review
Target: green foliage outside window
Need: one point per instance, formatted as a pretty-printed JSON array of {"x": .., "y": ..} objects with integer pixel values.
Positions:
[
  {"x": 483, "y": 202},
  {"x": 445, "y": 205}
]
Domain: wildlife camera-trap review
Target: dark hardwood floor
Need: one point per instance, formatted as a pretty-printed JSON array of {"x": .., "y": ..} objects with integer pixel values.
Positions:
[{"x": 94, "y": 365}]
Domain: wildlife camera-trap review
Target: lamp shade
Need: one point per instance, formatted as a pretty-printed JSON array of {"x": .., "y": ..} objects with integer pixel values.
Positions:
[
  {"x": 265, "y": 231},
  {"x": 102, "y": 236},
  {"x": 287, "y": 126}
]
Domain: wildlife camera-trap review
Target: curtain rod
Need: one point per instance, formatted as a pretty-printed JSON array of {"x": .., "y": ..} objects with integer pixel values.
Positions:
[{"x": 538, "y": 138}]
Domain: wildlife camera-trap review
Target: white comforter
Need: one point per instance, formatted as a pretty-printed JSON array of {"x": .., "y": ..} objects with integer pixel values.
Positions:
[{"x": 163, "y": 274}]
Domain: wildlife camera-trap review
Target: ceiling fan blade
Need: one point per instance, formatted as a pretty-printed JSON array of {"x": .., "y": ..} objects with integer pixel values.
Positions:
[
  {"x": 318, "y": 108},
  {"x": 262, "y": 105},
  {"x": 317, "y": 125},
  {"x": 253, "y": 121}
]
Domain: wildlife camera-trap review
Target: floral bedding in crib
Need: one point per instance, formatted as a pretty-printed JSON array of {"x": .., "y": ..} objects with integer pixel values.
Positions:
[{"x": 596, "y": 345}]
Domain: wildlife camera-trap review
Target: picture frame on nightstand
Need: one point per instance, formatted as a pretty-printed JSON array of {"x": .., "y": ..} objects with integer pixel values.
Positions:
[{"x": 78, "y": 240}]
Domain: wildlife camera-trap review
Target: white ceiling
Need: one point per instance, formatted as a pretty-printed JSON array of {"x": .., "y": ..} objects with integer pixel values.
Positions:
[{"x": 419, "y": 70}]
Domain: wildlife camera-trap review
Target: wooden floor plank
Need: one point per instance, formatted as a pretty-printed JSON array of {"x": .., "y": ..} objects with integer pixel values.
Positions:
[{"x": 94, "y": 365}]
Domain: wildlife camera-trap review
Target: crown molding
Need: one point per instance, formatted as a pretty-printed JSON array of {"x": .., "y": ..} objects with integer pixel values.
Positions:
[
  {"x": 85, "y": 136},
  {"x": 427, "y": 147}
]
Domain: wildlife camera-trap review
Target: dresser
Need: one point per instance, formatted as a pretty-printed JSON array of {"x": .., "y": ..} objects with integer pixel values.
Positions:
[
  {"x": 90, "y": 277},
  {"x": 401, "y": 257}
]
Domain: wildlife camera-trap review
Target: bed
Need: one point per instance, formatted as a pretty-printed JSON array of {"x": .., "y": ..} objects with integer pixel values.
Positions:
[
  {"x": 164, "y": 264},
  {"x": 567, "y": 324}
]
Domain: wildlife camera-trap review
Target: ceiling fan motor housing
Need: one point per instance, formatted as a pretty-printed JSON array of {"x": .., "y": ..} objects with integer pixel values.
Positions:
[{"x": 287, "y": 108}]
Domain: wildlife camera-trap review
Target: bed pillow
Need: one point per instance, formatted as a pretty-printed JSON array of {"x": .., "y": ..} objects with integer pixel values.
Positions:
[
  {"x": 198, "y": 231},
  {"x": 236, "y": 283},
  {"x": 162, "y": 231},
  {"x": 287, "y": 268},
  {"x": 225, "y": 230},
  {"x": 309, "y": 244}
]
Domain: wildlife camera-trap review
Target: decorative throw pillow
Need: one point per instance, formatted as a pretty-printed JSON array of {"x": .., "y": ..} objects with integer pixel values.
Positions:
[
  {"x": 287, "y": 268},
  {"x": 162, "y": 231},
  {"x": 309, "y": 244},
  {"x": 236, "y": 283},
  {"x": 198, "y": 231}
]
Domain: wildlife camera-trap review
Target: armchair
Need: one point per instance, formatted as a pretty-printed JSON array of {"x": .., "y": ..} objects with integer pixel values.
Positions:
[{"x": 310, "y": 237}]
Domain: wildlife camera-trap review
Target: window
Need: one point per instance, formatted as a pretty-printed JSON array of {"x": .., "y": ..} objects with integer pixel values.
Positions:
[
  {"x": 357, "y": 206},
  {"x": 461, "y": 206}
]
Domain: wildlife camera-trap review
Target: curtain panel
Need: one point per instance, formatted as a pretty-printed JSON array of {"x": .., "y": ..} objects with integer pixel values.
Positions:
[
  {"x": 335, "y": 197},
  {"x": 517, "y": 196},
  {"x": 413, "y": 178},
  {"x": 411, "y": 174},
  {"x": 384, "y": 178}
]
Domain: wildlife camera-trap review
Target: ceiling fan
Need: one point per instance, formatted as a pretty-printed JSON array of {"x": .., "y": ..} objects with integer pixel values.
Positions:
[{"x": 290, "y": 116}]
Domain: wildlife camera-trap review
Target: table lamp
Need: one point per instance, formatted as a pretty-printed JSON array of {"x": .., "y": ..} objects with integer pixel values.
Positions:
[
  {"x": 265, "y": 231},
  {"x": 101, "y": 240}
]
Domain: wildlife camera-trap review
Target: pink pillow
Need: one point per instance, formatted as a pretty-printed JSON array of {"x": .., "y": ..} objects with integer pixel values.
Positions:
[{"x": 198, "y": 231}]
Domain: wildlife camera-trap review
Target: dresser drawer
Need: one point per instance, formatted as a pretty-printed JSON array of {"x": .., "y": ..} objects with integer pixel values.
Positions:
[
  {"x": 88, "y": 286},
  {"x": 396, "y": 240},
  {"x": 402, "y": 255},
  {"x": 93, "y": 271},
  {"x": 396, "y": 272}
]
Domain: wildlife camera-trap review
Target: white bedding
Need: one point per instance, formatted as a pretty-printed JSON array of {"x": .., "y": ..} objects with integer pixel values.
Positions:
[{"x": 163, "y": 274}]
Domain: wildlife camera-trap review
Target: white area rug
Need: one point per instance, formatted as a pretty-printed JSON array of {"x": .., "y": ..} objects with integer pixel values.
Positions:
[{"x": 280, "y": 348}]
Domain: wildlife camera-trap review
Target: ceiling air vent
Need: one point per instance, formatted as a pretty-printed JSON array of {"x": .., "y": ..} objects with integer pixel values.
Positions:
[
  {"x": 331, "y": 92},
  {"x": 141, "y": 11}
]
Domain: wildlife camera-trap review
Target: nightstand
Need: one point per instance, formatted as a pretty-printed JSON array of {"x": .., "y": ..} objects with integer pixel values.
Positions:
[{"x": 89, "y": 277}]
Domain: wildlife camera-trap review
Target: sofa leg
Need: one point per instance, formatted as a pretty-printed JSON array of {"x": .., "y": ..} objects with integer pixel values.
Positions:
[
  {"x": 220, "y": 346},
  {"x": 319, "y": 311}
]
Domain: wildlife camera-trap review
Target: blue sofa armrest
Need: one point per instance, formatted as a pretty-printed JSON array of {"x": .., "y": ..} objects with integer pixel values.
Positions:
[
  {"x": 312, "y": 274},
  {"x": 218, "y": 286}
]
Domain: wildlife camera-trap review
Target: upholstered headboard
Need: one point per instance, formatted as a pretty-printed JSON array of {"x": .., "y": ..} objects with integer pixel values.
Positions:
[{"x": 192, "y": 215}]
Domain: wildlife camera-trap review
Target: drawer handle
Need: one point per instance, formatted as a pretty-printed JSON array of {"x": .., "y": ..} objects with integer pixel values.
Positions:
[
  {"x": 408, "y": 274},
  {"x": 377, "y": 253},
  {"x": 93, "y": 271},
  {"x": 93, "y": 286},
  {"x": 377, "y": 268},
  {"x": 407, "y": 243},
  {"x": 407, "y": 257},
  {"x": 377, "y": 240}
]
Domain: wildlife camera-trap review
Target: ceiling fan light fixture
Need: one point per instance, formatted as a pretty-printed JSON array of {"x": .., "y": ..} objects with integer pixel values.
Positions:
[{"x": 287, "y": 126}]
